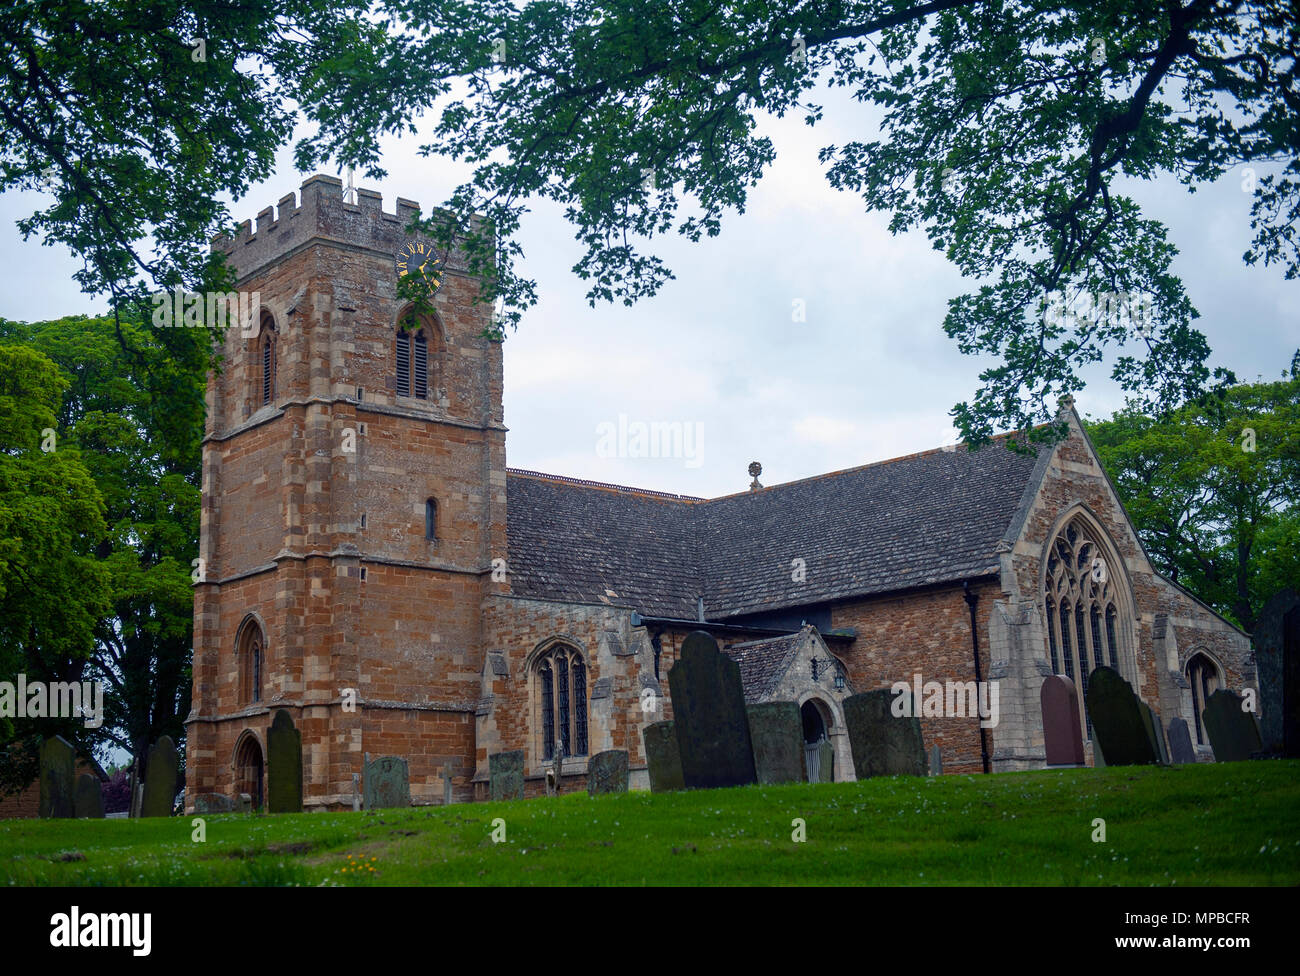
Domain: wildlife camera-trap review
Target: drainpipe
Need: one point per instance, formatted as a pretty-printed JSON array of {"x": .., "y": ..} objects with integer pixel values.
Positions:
[{"x": 972, "y": 598}]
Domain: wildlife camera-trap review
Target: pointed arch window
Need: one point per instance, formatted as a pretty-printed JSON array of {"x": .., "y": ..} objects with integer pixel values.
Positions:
[
  {"x": 562, "y": 702},
  {"x": 1082, "y": 609},
  {"x": 251, "y": 654},
  {"x": 412, "y": 359}
]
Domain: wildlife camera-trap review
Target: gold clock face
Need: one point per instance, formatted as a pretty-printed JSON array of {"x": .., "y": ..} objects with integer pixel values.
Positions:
[{"x": 420, "y": 259}]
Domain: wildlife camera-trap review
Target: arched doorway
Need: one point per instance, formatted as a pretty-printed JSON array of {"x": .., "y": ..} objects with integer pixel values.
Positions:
[
  {"x": 818, "y": 754},
  {"x": 248, "y": 769},
  {"x": 1203, "y": 676}
]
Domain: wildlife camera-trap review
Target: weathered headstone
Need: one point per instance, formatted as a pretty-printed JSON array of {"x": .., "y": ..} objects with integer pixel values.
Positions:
[
  {"x": 386, "y": 783},
  {"x": 662, "y": 757},
  {"x": 89, "y": 800},
  {"x": 1234, "y": 736},
  {"x": 1117, "y": 724},
  {"x": 826, "y": 761},
  {"x": 244, "y": 803},
  {"x": 709, "y": 716},
  {"x": 1277, "y": 659},
  {"x": 446, "y": 786},
  {"x": 212, "y": 803},
  {"x": 283, "y": 766},
  {"x": 58, "y": 768},
  {"x": 883, "y": 744},
  {"x": 776, "y": 730},
  {"x": 1151, "y": 725},
  {"x": 936, "y": 760},
  {"x": 1061, "y": 736},
  {"x": 1162, "y": 747},
  {"x": 160, "y": 774},
  {"x": 506, "y": 775},
  {"x": 1180, "y": 743},
  {"x": 356, "y": 792},
  {"x": 607, "y": 772}
]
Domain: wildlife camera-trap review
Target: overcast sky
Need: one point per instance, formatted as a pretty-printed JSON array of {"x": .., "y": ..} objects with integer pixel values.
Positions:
[{"x": 870, "y": 374}]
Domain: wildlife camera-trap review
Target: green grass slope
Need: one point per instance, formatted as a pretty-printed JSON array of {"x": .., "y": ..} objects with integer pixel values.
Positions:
[{"x": 1231, "y": 823}]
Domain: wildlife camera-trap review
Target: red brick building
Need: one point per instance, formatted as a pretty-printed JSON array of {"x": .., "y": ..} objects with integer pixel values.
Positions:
[{"x": 373, "y": 567}]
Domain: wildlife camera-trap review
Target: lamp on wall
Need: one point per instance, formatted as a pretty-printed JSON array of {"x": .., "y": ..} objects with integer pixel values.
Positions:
[
  {"x": 816, "y": 667},
  {"x": 839, "y": 679}
]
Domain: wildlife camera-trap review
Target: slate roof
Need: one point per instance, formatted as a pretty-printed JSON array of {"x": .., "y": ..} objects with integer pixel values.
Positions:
[
  {"x": 894, "y": 525},
  {"x": 763, "y": 662}
]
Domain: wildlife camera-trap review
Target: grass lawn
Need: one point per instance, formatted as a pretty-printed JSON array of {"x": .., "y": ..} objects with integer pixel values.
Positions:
[{"x": 1231, "y": 823}]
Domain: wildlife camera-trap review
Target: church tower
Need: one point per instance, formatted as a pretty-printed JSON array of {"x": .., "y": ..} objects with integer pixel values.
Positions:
[{"x": 353, "y": 501}]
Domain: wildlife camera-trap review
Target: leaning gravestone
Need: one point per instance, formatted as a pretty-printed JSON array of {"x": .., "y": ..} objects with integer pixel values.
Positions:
[
  {"x": 776, "y": 730},
  {"x": 1151, "y": 725},
  {"x": 709, "y": 716},
  {"x": 1180, "y": 743},
  {"x": 826, "y": 761},
  {"x": 57, "y": 771},
  {"x": 284, "y": 766},
  {"x": 506, "y": 775},
  {"x": 662, "y": 758},
  {"x": 1234, "y": 736},
  {"x": 386, "y": 783},
  {"x": 607, "y": 772},
  {"x": 1061, "y": 735},
  {"x": 160, "y": 774},
  {"x": 883, "y": 744},
  {"x": 89, "y": 800},
  {"x": 1117, "y": 724},
  {"x": 1277, "y": 659}
]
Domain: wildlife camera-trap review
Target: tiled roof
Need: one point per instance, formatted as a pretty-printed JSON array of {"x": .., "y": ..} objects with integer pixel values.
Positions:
[
  {"x": 927, "y": 518},
  {"x": 763, "y": 662}
]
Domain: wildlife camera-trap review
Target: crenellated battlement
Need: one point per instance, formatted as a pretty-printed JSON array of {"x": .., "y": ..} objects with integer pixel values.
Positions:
[{"x": 318, "y": 212}]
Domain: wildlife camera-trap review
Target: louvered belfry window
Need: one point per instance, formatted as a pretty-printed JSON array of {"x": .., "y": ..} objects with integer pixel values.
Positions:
[
  {"x": 562, "y": 704},
  {"x": 268, "y": 359},
  {"x": 412, "y": 361}
]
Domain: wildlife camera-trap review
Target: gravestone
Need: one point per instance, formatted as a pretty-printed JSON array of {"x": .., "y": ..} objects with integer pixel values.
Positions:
[
  {"x": 1180, "y": 743},
  {"x": 826, "y": 761},
  {"x": 776, "y": 730},
  {"x": 283, "y": 766},
  {"x": 1117, "y": 724},
  {"x": 356, "y": 792},
  {"x": 1151, "y": 725},
  {"x": 1233, "y": 734},
  {"x": 506, "y": 775},
  {"x": 662, "y": 757},
  {"x": 446, "y": 786},
  {"x": 709, "y": 716},
  {"x": 883, "y": 744},
  {"x": 58, "y": 769},
  {"x": 386, "y": 783},
  {"x": 89, "y": 800},
  {"x": 1277, "y": 659},
  {"x": 1061, "y": 736},
  {"x": 212, "y": 803},
  {"x": 160, "y": 774},
  {"x": 607, "y": 772},
  {"x": 936, "y": 761},
  {"x": 244, "y": 803},
  {"x": 1162, "y": 747}
]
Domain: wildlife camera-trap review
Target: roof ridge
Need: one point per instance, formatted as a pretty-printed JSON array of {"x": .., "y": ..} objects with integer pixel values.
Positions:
[{"x": 604, "y": 485}]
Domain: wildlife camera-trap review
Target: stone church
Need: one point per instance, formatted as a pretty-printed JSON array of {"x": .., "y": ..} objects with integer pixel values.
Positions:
[{"x": 373, "y": 567}]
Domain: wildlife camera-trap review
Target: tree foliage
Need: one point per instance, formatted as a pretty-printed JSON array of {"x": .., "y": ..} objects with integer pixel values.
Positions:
[
  {"x": 1009, "y": 128},
  {"x": 134, "y": 417},
  {"x": 1214, "y": 490}
]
